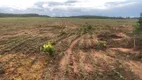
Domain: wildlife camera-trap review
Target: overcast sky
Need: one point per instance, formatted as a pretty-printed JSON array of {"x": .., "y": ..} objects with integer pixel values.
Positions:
[{"x": 73, "y": 7}]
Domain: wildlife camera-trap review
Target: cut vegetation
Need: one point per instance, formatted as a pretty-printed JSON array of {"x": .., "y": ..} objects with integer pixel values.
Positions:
[{"x": 79, "y": 49}]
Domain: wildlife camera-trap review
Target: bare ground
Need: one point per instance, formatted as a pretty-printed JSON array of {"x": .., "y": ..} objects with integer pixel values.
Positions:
[{"x": 77, "y": 59}]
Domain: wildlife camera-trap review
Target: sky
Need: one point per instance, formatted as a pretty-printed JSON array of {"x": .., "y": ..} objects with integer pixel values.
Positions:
[{"x": 124, "y": 8}]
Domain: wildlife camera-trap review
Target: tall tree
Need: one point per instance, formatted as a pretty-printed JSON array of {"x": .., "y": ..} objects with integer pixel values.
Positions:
[
  {"x": 139, "y": 26},
  {"x": 140, "y": 22},
  {"x": 138, "y": 30}
]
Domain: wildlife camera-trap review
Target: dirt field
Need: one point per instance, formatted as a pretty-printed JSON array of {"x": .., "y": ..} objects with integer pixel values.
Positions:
[{"x": 86, "y": 49}]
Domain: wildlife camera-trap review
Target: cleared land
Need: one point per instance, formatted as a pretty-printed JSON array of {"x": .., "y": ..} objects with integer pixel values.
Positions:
[{"x": 102, "y": 49}]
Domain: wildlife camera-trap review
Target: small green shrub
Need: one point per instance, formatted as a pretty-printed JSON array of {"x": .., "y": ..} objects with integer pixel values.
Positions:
[
  {"x": 89, "y": 27},
  {"x": 63, "y": 32},
  {"x": 139, "y": 57},
  {"x": 101, "y": 45},
  {"x": 48, "y": 48},
  {"x": 86, "y": 29}
]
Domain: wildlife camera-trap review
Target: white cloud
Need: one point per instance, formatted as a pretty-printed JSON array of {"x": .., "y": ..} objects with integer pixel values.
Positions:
[
  {"x": 24, "y": 4},
  {"x": 85, "y": 4},
  {"x": 66, "y": 6}
]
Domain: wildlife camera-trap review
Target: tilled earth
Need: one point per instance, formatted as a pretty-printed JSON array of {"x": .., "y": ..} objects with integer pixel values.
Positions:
[{"x": 77, "y": 57}]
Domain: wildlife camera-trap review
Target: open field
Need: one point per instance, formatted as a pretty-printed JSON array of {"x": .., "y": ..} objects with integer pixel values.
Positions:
[{"x": 86, "y": 49}]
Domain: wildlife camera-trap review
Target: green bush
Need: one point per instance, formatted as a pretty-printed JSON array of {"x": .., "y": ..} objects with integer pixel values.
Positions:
[
  {"x": 63, "y": 32},
  {"x": 87, "y": 28},
  {"x": 138, "y": 32},
  {"x": 138, "y": 27},
  {"x": 139, "y": 57},
  {"x": 48, "y": 48},
  {"x": 101, "y": 45}
]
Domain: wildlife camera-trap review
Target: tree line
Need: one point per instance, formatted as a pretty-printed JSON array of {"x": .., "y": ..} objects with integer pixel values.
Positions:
[
  {"x": 21, "y": 15},
  {"x": 99, "y": 17}
]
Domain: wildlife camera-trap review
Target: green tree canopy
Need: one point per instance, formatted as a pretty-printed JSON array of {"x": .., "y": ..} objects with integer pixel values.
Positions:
[{"x": 138, "y": 28}]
